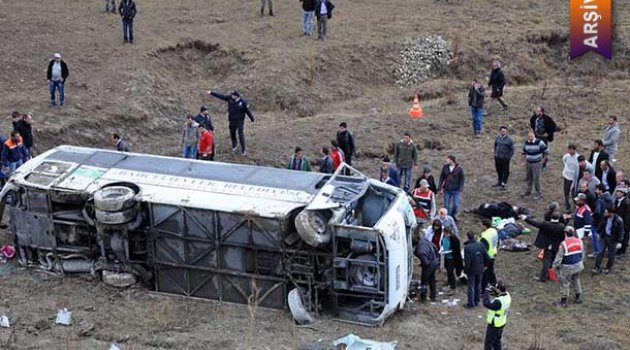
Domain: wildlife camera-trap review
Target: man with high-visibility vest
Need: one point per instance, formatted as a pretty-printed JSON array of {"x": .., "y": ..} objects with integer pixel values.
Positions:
[
  {"x": 496, "y": 318},
  {"x": 426, "y": 207},
  {"x": 489, "y": 238},
  {"x": 569, "y": 263}
]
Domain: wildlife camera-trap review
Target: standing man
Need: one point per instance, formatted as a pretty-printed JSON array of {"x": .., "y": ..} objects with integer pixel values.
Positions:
[
  {"x": 608, "y": 176},
  {"x": 611, "y": 233},
  {"x": 388, "y": 173},
  {"x": 204, "y": 118},
  {"x": 190, "y": 138},
  {"x": 326, "y": 163},
  {"x": 550, "y": 235},
  {"x": 127, "y": 11},
  {"x": 237, "y": 110},
  {"x": 345, "y": 138},
  {"x": 489, "y": 239},
  {"x": 497, "y": 83},
  {"x": 569, "y": 173},
  {"x": 475, "y": 258},
  {"x": 13, "y": 153},
  {"x": 405, "y": 158},
  {"x": 583, "y": 165},
  {"x": 569, "y": 264},
  {"x": 611, "y": 137},
  {"x": 429, "y": 262},
  {"x": 452, "y": 185},
  {"x": 323, "y": 12},
  {"x": 543, "y": 127},
  {"x": 534, "y": 155},
  {"x": 57, "y": 74},
  {"x": 583, "y": 216},
  {"x": 262, "y": 7},
  {"x": 206, "y": 138},
  {"x": 308, "y": 11},
  {"x": 336, "y": 154},
  {"x": 622, "y": 208},
  {"x": 475, "y": 101},
  {"x": 425, "y": 200},
  {"x": 121, "y": 145},
  {"x": 111, "y": 8},
  {"x": 503, "y": 152},
  {"x": 298, "y": 162},
  {"x": 497, "y": 314},
  {"x": 451, "y": 250},
  {"x": 25, "y": 128},
  {"x": 597, "y": 156}
]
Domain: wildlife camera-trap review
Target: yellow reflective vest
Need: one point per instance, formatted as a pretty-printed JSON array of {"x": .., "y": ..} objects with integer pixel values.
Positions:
[
  {"x": 491, "y": 236},
  {"x": 499, "y": 317}
]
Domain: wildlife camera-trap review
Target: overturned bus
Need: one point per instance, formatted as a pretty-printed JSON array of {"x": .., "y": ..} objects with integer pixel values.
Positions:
[{"x": 235, "y": 233}]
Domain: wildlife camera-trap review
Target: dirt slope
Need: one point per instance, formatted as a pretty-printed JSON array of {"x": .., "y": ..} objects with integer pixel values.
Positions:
[{"x": 300, "y": 89}]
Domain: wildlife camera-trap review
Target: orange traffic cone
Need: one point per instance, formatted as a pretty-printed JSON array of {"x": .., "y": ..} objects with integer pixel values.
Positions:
[{"x": 416, "y": 110}]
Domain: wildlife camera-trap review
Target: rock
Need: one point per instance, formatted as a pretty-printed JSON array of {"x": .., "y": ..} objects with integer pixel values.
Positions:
[{"x": 421, "y": 59}]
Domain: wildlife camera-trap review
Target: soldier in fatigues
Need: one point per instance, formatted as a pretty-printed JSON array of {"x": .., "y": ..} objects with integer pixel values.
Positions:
[{"x": 569, "y": 264}]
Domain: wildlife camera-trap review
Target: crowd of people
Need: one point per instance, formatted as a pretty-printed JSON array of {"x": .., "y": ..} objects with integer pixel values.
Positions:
[{"x": 595, "y": 222}]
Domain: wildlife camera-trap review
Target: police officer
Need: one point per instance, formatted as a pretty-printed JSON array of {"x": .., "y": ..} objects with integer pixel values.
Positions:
[
  {"x": 496, "y": 318},
  {"x": 569, "y": 264},
  {"x": 489, "y": 238}
]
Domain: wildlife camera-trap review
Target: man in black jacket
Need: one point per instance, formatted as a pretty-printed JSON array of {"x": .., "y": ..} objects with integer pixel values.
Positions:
[
  {"x": 497, "y": 83},
  {"x": 323, "y": 12},
  {"x": 475, "y": 258},
  {"x": 597, "y": 156},
  {"x": 475, "y": 102},
  {"x": 25, "y": 128},
  {"x": 608, "y": 176},
  {"x": 57, "y": 74},
  {"x": 237, "y": 110},
  {"x": 611, "y": 233},
  {"x": 622, "y": 208},
  {"x": 550, "y": 235},
  {"x": 429, "y": 262},
  {"x": 543, "y": 127},
  {"x": 451, "y": 185},
  {"x": 127, "y": 11},
  {"x": 345, "y": 138}
]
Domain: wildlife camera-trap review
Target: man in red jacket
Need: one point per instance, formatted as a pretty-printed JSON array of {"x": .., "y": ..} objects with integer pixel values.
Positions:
[
  {"x": 336, "y": 154},
  {"x": 206, "y": 152}
]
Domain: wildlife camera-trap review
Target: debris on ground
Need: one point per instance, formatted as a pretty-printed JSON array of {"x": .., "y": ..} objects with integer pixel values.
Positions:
[
  {"x": 64, "y": 317},
  {"x": 450, "y": 302},
  {"x": 4, "y": 322},
  {"x": 114, "y": 347},
  {"x": 513, "y": 245},
  {"x": 422, "y": 59},
  {"x": 353, "y": 342}
]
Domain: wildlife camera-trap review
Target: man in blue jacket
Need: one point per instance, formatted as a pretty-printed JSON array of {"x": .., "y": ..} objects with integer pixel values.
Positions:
[{"x": 237, "y": 110}]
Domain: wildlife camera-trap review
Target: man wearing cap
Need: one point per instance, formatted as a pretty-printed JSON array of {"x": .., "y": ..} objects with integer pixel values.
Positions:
[
  {"x": 550, "y": 235},
  {"x": 582, "y": 218},
  {"x": 127, "y": 11},
  {"x": 427, "y": 175},
  {"x": 298, "y": 161},
  {"x": 426, "y": 207},
  {"x": 204, "y": 118},
  {"x": 622, "y": 208},
  {"x": 496, "y": 318},
  {"x": 388, "y": 173},
  {"x": 238, "y": 108},
  {"x": 569, "y": 264},
  {"x": 503, "y": 152},
  {"x": 452, "y": 185},
  {"x": 57, "y": 74}
]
